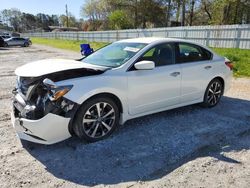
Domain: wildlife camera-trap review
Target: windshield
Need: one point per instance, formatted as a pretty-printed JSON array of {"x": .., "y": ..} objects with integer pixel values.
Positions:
[{"x": 114, "y": 55}]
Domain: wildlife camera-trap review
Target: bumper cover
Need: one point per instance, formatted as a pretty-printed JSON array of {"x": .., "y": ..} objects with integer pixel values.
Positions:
[{"x": 48, "y": 130}]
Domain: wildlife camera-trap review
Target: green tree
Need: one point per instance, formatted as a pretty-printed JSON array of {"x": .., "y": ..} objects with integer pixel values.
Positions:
[
  {"x": 227, "y": 11},
  {"x": 12, "y": 17},
  {"x": 72, "y": 22},
  {"x": 119, "y": 20},
  {"x": 95, "y": 9},
  {"x": 28, "y": 21},
  {"x": 143, "y": 12}
]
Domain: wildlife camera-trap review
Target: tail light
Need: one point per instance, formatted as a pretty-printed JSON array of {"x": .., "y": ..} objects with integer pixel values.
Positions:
[{"x": 229, "y": 64}]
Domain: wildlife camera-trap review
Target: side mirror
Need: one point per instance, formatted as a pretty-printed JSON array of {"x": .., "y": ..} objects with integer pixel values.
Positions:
[{"x": 145, "y": 65}]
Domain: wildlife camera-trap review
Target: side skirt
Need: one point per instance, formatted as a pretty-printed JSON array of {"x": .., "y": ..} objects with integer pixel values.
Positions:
[{"x": 125, "y": 116}]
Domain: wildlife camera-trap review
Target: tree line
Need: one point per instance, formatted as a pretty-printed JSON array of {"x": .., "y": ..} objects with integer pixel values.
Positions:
[
  {"x": 15, "y": 20},
  {"x": 128, "y": 14},
  {"x": 124, "y": 14}
]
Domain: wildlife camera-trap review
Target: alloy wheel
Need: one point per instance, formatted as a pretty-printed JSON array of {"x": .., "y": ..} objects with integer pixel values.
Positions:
[
  {"x": 98, "y": 120},
  {"x": 214, "y": 93}
]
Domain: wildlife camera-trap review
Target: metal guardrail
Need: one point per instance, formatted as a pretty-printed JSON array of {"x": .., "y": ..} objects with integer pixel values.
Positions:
[{"x": 222, "y": 36}]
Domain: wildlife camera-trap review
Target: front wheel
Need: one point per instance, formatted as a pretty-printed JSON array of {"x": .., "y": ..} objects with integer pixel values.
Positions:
[
  {"x": 213, "y": 93},
  {"x": 96, "y": 119},
  {"x": 26, "y": 44},
  {"x": 5, "y": 44}
]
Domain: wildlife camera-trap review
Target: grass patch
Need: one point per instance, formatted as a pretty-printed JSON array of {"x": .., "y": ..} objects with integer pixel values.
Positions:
[
  {"x": 66, "y": 44},
  {"x": 240, "y": 57}
]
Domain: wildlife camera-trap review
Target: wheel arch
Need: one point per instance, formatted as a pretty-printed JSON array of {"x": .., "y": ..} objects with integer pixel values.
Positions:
[
  {"x": 108, "y": 95},
  {"x": 5, "y": 44},
  {"x": 221, "y": 80},
  {"x": 112, "y": 96},
  {"x": 223, "y": 87}
]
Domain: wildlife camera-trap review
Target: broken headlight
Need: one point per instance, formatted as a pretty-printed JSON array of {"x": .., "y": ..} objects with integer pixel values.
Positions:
[{"x": 56, "y": 92}]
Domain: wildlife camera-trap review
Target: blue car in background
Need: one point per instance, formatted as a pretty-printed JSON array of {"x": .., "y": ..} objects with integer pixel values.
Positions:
[{"x": 17, "y": 41}]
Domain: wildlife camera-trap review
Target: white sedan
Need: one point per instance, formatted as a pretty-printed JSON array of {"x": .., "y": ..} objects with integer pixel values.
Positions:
[{"x": 56, "y": 98}]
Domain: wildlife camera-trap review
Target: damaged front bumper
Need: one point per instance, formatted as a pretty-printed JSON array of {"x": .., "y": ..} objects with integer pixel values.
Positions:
[{"x": 49, "y": 129}]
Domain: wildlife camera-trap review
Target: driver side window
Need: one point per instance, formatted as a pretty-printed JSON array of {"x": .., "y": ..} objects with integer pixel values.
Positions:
[{"x": 161, "y": 55}]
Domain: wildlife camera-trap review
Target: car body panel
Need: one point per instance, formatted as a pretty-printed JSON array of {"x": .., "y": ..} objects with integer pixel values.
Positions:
[
  {"x": 112, "y": 83},
  {"x": 48, "y": 130},
  {"x": 47, "y": 66},
  {"x": 152, "y": 89},
  {"x": 17, "y": 41},
  {"x": 191, "y": 87}
]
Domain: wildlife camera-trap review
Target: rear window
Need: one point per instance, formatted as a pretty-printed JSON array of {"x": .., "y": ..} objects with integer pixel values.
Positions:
[{"x": 192, "y": 53}]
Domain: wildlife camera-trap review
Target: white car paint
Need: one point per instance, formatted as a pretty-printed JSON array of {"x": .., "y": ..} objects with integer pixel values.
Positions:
[
  {"x": 141, "y": 92},
  {"x": 158, "y": 89},
  {"x": 42, "y": 127},
  {"x": 47, "y": 66}
]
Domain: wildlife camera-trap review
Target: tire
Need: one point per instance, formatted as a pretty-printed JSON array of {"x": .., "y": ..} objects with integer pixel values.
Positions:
[
  {"x": 26, "y": 44},
  {"x": 92, "y": 126},
  {"x": 213, "y": 93},
  {"x": 5, "y": 44}
]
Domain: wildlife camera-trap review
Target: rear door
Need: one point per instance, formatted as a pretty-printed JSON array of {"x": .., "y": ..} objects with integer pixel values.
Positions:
[
  {"x": 197, "y": 70},
  {"x": 150, "y": 90}
]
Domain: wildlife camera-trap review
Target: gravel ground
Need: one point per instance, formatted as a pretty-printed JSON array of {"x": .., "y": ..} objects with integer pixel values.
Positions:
[{"x": 184, "y": 147}]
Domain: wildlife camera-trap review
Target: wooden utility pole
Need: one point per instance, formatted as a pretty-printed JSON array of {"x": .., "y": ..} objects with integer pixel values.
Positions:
[{"x": 67, "y": 16}]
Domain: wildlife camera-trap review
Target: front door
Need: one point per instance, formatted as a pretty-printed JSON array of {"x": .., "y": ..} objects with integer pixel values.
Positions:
[{"x": 153, "y": 90}]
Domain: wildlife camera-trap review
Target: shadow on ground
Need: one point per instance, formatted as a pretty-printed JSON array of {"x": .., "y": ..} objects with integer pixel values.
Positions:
[
  {"x": 150, "y": 147},
  {"x": 2, "y": 48}
]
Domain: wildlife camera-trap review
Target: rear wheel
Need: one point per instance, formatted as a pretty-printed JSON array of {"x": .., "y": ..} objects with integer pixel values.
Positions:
[
  {"x": 5, "y": 44},
  {"x": 213, "y": 93},
  {"x": 96, "y": 119}
]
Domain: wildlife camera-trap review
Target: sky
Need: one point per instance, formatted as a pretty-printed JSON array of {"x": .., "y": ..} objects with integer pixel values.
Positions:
[{"x": 44, "y": 6}]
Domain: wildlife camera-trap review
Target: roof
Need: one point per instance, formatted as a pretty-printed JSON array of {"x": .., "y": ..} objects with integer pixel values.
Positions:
[{"x": 149, "y": 40}]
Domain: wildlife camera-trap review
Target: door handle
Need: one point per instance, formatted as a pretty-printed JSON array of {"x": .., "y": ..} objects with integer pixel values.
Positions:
[
  {"x": 175, "y": 74},
  {"x": 207, "y": 67}
]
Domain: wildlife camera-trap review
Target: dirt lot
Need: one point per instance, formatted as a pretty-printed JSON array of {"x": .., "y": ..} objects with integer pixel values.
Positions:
[{"x": 185, "y": 147}]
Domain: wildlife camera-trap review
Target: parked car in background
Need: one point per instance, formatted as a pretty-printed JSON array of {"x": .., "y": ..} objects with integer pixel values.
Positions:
[
  {"x": 90, "y": 97},
  {"x": 5, "y": 36},
  {"x": 17, "y": 41},
  {"x": 1, "y": 42}
]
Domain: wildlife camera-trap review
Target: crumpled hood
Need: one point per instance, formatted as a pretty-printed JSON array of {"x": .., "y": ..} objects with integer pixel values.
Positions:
[{"x": 48, "y": 66}]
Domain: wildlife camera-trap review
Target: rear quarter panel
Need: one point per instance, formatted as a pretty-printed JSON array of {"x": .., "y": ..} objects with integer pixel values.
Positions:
[{"x": 221, "y": 70}]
